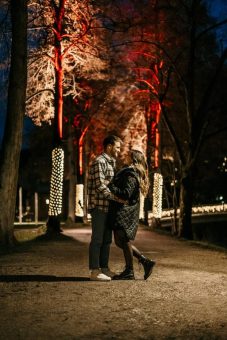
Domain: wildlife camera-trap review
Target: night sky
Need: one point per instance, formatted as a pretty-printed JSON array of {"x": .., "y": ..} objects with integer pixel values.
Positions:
[{"x": 218, "y": 8}]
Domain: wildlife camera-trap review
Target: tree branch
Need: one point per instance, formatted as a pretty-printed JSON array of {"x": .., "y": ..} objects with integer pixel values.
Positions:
[{"x": 35, "y": 94}]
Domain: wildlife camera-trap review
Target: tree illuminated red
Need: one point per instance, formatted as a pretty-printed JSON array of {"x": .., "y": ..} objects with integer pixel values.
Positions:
[
  {"x": 58, "y": 32},
  {"x": 147, "y": 76},
  {"x": 69, "y": 54}
]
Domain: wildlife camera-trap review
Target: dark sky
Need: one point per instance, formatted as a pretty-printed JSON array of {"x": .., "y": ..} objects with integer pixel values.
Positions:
[{"x": 218, "y": 8}]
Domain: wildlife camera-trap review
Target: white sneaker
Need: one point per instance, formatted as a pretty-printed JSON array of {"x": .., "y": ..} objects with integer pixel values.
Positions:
[
  {"x": 96, "y": 275},
  {"x": 108, "y": 272}
]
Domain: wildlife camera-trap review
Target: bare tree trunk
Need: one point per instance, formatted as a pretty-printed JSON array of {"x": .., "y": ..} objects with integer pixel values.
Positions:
[
  {"x": 186, "y": 192},
  {"x": 56, "y": 185},
  {"x": 12, "y": 139},
  {"x": 86, "y": 160},
  {"x": 175, "y": 203},
  {"x": 72, "y": 178}
]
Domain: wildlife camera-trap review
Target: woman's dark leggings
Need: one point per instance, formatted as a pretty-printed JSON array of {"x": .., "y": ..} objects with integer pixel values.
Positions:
[{"x": 123, "y": 242}]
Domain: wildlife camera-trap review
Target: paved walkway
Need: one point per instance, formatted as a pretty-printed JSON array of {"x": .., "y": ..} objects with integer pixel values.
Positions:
[{"x": 45, "y": 292}]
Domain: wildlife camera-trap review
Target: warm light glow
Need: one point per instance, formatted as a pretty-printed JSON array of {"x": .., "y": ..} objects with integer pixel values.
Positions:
[
  {"x": 56, "y": 182},
  {"x": 157, "y": 195}
]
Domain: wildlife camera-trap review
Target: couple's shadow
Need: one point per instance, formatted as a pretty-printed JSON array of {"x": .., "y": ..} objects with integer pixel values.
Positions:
[{"x": 42, "y": 278}]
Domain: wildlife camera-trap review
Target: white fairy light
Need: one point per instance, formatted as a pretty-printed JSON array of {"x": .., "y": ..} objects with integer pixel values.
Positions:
[
  {"x": 157, "y": 196},
  {"x": 56, "y": 182},
  {"x": 207, "y": 209}
]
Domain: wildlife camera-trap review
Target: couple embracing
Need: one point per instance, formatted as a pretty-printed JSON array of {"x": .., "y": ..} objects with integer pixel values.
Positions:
[{"x": 113, "y": 202}]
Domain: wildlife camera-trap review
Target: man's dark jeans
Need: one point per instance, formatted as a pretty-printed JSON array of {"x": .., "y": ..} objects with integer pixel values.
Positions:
[{"x": 101, "y": 239}]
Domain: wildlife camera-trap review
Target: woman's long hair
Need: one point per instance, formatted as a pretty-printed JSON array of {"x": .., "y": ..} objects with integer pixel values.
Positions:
[{"x": 140, "y": 164}]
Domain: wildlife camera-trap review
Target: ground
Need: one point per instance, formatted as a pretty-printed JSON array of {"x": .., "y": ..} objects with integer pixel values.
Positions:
[{"x": 45, "y": 291}]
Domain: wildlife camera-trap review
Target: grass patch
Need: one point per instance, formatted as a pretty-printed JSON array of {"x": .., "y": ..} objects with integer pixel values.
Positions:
[{"x": 24, "y": 235}]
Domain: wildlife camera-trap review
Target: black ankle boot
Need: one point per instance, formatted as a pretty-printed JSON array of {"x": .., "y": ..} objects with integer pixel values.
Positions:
[
  {"x": 147, "y": 266},
  {"x": 127, "y": 274}
]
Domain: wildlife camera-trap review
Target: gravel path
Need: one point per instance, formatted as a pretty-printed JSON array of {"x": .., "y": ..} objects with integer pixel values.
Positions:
[{"x": 45, "y": 292}]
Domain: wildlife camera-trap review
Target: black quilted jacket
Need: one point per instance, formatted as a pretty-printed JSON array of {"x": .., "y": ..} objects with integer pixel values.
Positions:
[{"x": 125, "y": 216}]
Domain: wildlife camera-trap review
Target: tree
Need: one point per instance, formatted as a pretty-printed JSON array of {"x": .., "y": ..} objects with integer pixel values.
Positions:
[
  {"x": 184, "y": 41},
  {"x": 196, "y": 72},
  {"x": 12, "y": 138},
  {"x": 55, "y": 68},
  {"x": 145, "y": 77}
]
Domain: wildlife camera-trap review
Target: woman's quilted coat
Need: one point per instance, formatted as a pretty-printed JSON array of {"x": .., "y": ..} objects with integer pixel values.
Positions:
[{"x": 125, "y": 185}]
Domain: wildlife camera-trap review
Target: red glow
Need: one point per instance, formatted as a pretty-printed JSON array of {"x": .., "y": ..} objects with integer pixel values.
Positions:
[
  {"x": 60, "y": 103},
  {"x": 153, "y": 75},
  {"x": 143, "y": 53},
  {"x": 156, "y": 152},
  {"x": 141, "y": 91},
  {"x": 81, "y": 141},
  {"x": 149, "y": 85},
  {"x": 59, "y": 16},
  {"x": 149, "y": 77},
  {"x": 157, "y": 134}
]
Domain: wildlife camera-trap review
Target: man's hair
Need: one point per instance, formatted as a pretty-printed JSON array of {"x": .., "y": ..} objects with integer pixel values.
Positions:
[{"x": 111, "y": 139}]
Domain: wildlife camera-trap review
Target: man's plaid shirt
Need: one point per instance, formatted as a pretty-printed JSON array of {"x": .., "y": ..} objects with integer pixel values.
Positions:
[{"x": 101, "y": 173}]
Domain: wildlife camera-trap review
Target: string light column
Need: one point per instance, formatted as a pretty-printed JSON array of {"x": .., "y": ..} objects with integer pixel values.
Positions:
[
  {"x": 157, "y": 196},
  {"x": 56, "y": 182}
]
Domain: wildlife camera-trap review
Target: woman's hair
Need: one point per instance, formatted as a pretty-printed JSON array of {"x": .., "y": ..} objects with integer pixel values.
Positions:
[{"x": 140, "y": 164}]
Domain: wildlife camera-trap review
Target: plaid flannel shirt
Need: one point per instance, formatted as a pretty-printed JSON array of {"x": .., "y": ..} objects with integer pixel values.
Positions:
[{"x": 100, "y": 174}]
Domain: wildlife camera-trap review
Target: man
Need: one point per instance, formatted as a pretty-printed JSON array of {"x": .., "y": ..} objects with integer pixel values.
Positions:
[{"x": 100, "y": 174}]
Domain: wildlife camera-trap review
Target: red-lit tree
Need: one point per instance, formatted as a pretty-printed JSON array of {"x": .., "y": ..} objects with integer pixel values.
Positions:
[
  {"x": 77, "y": 117},
  {"x": 189, "y": 50},
  {"x": 182, "y": 39},
  {"x": 146, "y": 71},
  {"x": 70, "y": 50}
]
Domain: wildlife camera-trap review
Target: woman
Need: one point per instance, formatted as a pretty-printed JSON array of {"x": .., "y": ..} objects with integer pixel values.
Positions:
[{"x": 124, "y": 218}]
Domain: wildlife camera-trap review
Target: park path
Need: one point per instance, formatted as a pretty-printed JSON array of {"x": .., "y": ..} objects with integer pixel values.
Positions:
[{"x": 45, "y": 292}]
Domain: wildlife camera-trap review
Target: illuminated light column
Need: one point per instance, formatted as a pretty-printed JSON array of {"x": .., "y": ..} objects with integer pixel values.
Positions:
[
  {"x": 79, "y": 200},
  {"x": 157, "y": 195},
  {"x": 56, "y": 182},
  {"x": 141, "y": 214}
]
